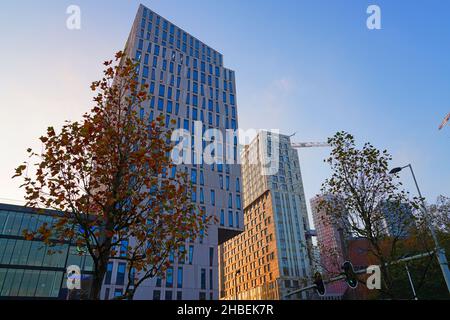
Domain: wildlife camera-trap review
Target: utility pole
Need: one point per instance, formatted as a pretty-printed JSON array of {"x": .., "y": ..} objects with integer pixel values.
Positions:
[
  {"x": 440, "y": 252},
  {"x": 410, "y": 281},
  {"x": 343, "y": 276}
]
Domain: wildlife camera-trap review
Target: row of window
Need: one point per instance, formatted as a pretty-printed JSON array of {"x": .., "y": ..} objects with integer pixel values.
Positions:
[
  {"x": 212, "y": 198},
  {"x": 121, "y": 270},
  {"x": 230, "y": 219},
  {"x": 36, "y": 254},
  {"x": 30, "y": 283},
  {"x": 200, "y": 179},
  {"x": 169, "y": 279},
  {"x": 13, "y": 223},
  {"x": 167, "y": 106},
  {"x": 168, "y": 295},
  {"x": 185, "y": 75},
  {"x": 177, "y": 59},
  {"x": 193, "y": 98},
  {"x": 172, "y": 34}
]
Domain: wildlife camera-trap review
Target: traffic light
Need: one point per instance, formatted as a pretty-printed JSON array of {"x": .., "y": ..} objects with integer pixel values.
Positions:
[
  {"x": 350, "y": 275},
  {"x": 320, "y": 286}
]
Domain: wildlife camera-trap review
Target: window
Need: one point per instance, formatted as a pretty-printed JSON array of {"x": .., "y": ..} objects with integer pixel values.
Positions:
[
  {"x": 230, "y": 218},
  {"x": 133, "y": 275},
  {"x": 168, "y": 295},
  {"x": 169, "y": 277},
  {"x": 238, "y": 185},
  {"x": 120, "y": 279},
  {"x": 202, "y": 178},
  {"x": 138, "y": 56},
  {"x": 211, "y": 257},
  {"x": 222, "y": 218},
  {"x": 179, "y": 295},
  {"x": 202, "y": 296},
  {"x": 182, "y": 257},
  {"x": 145, "y": 72},
  {"x": 180, "y": 277},
  {"x": 191, "y": 254},
  {"x": 202, "y": 196},
  {"x": 162, "y": 90},
  {"x": 213, "y": 198},
  {"x": 123, "y": 248},
  {"x": 152, "y": 87},
  {"x": 156, "y": 295},
  {"x": 117, "y": 292},
  {"x": 160, "y": 104},
  {"x": 203, "y": 279},
  {"x": 238, "y": 201},
  {"x": 194, "y": 176},
  {"x": 237, "y": 219},
  {"x": 108, "y": 275},
  {"x": 195, "y": 100}
]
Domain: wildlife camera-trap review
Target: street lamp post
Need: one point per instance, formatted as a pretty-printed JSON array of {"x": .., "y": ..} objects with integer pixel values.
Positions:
[
  {"x": 411, "y": 283},
  {"x": 439, "y": 251}
]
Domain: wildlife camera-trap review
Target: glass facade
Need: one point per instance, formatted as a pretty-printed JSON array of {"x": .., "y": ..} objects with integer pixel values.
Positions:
[{"x": 27, "y": 269}]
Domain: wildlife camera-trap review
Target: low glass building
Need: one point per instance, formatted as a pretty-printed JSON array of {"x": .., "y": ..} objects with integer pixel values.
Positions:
[{"x": 27, "y": 269}]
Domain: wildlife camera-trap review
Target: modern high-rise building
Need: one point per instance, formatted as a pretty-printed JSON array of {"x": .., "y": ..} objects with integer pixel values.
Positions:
[
  {"x": 271, "y": 257},
  {"x": 396, "y": 220},
  {"x": 331, "y": 238},
  {"x": 188, "y": 83}
]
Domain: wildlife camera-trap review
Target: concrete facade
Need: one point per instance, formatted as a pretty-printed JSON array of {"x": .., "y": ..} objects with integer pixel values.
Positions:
[
  {"x": 270, "y": 258},
  {"x": 188, "y": 83}
]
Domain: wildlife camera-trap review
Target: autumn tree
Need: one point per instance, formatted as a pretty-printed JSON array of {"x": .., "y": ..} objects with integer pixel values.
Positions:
[
  {"x": 111, "y": 177},
  {"x": 367, "y": 201},
  {"x": 440, "y": 212}
]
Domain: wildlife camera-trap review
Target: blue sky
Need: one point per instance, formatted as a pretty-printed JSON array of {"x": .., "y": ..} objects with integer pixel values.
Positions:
[{"x": 310, "y": 67}]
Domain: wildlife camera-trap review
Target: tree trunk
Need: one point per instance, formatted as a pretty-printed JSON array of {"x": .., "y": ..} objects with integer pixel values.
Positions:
[
  {"x": 96, "y": 288},
  {"x": 100, "y": 271}
]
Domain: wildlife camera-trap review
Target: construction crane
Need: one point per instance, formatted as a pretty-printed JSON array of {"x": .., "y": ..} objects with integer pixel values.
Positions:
[
  {"x": 300, "y": 145},
  {"x": 446, "y": 120}
]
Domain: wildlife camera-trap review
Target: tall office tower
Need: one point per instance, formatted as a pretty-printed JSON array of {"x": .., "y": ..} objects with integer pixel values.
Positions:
[
  {"x": 270, "y": 258},
  {"x": 396, "y": 220},
  {"x": 188, "y": 83},
  {"x": 331, "y": 240}
]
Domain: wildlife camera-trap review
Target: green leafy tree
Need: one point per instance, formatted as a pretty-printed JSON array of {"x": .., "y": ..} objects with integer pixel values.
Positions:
[{"x": 361, "y": 192}]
